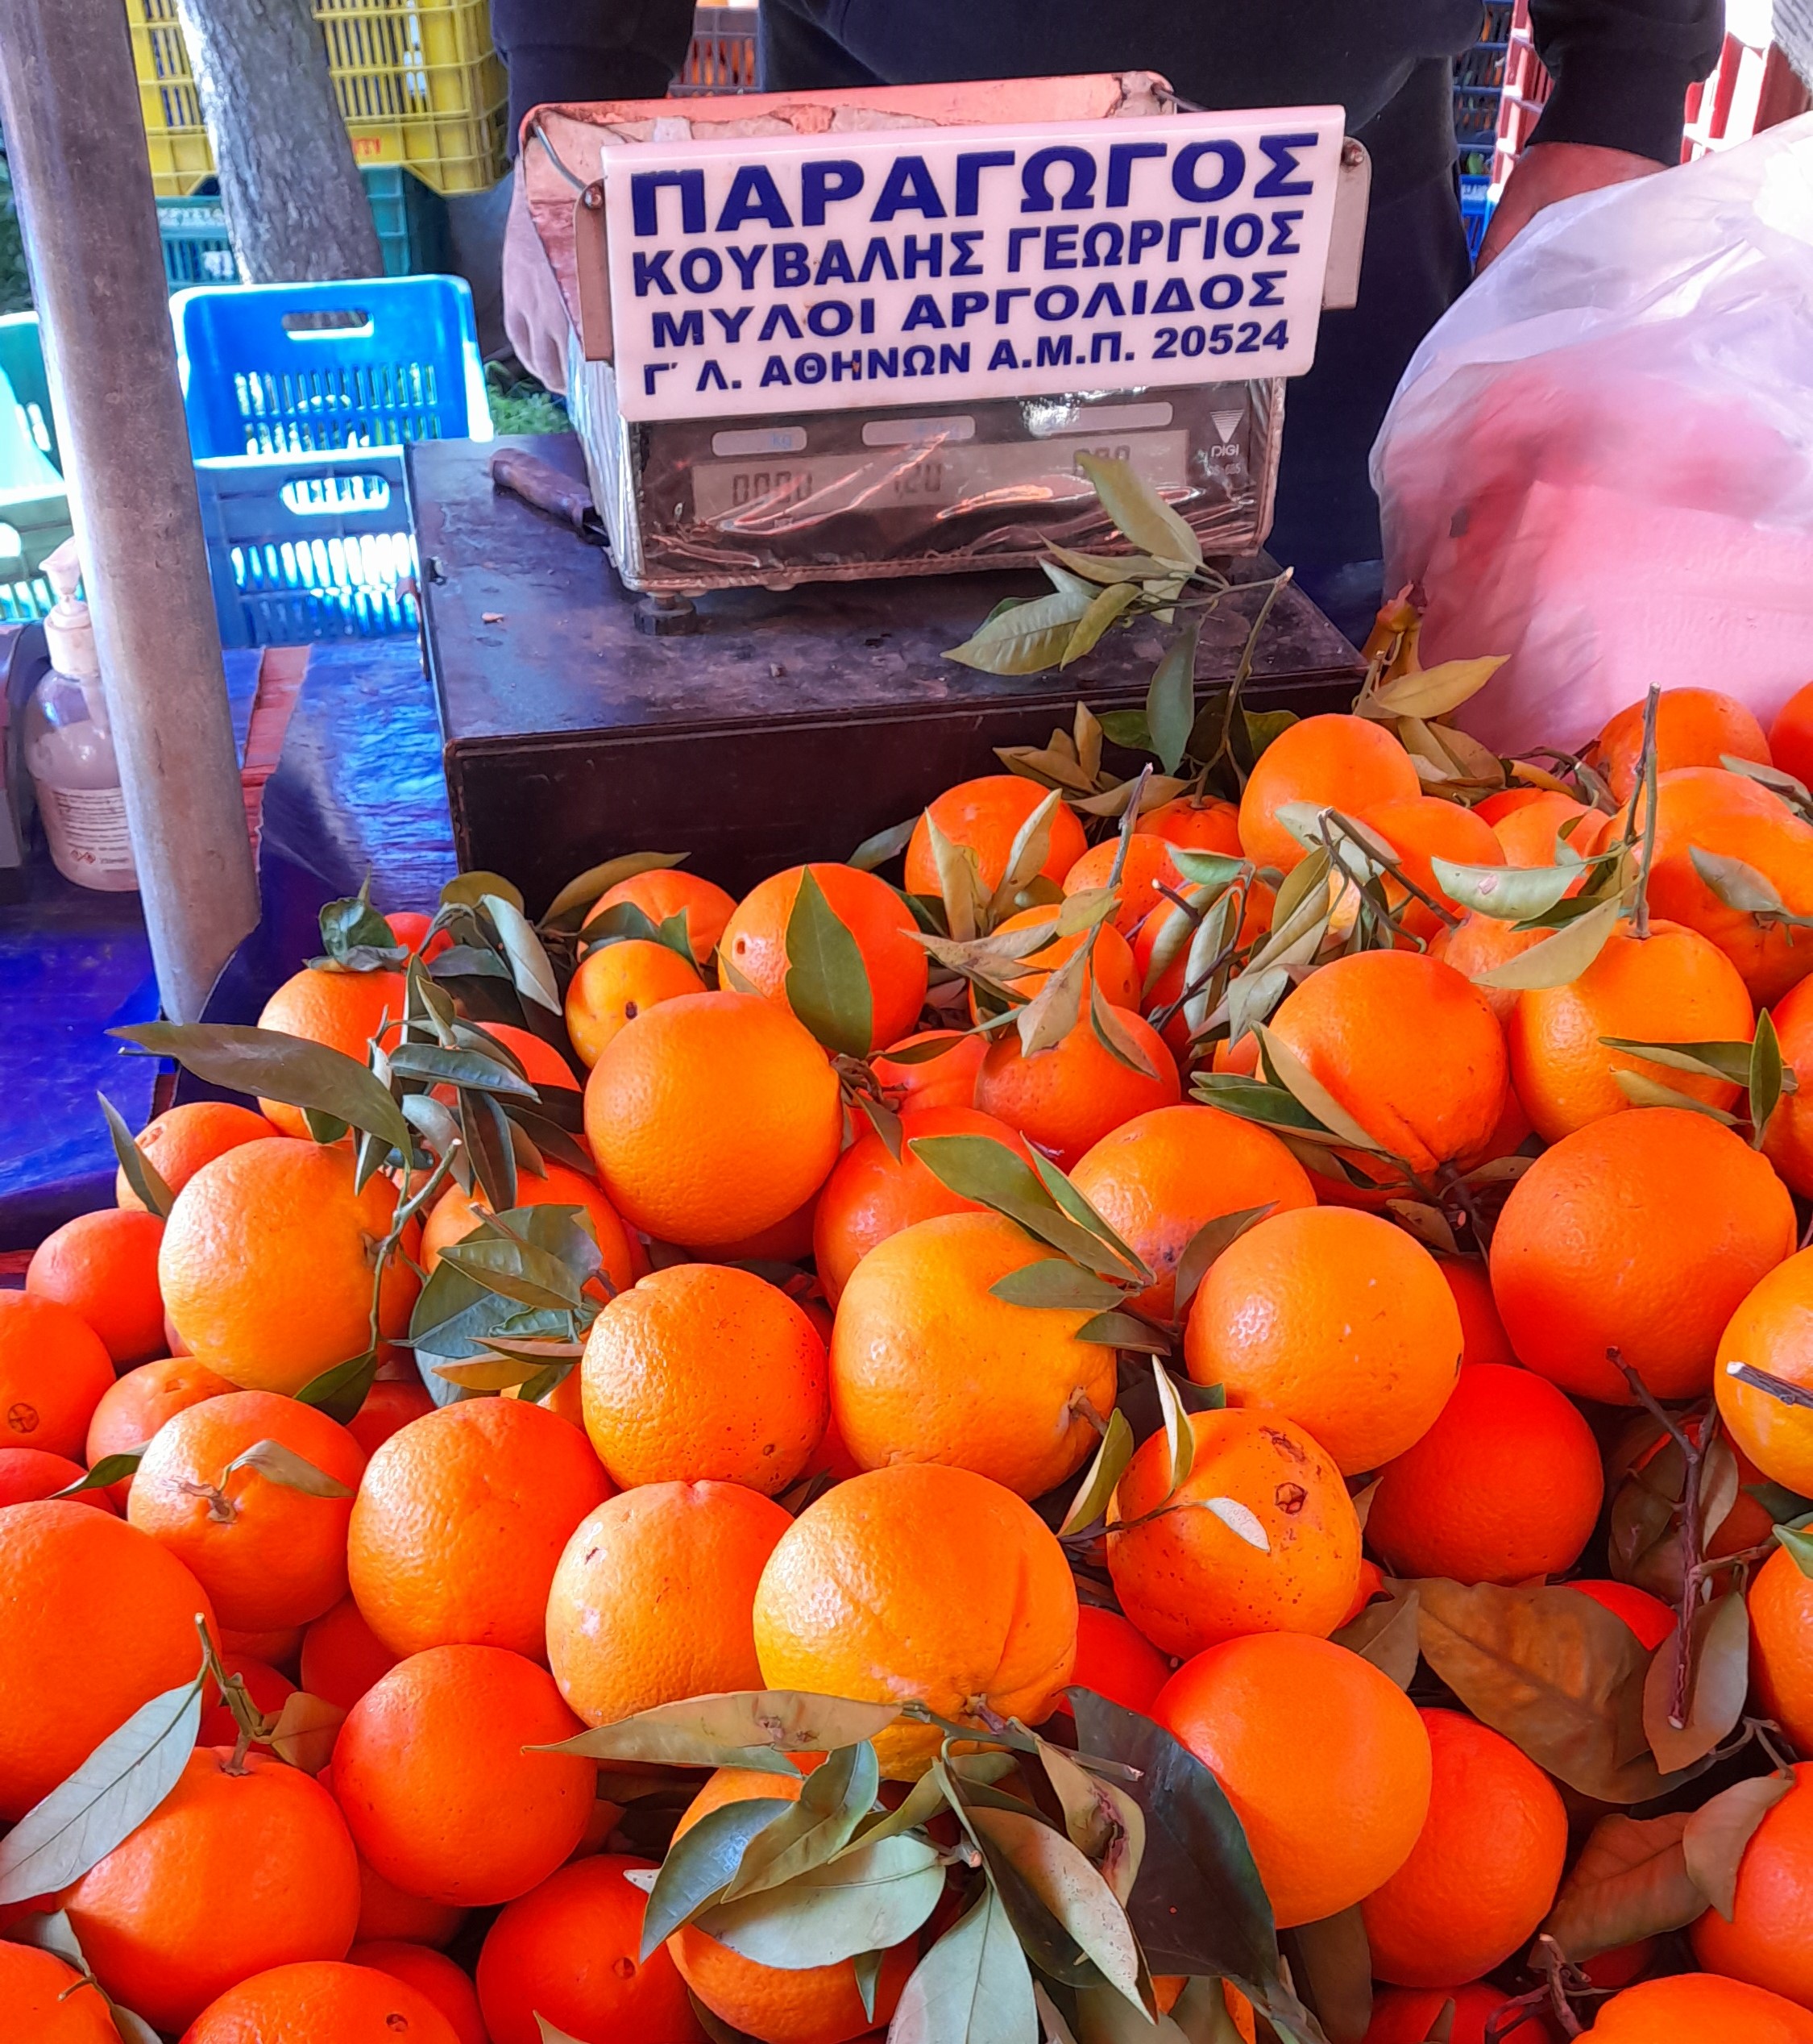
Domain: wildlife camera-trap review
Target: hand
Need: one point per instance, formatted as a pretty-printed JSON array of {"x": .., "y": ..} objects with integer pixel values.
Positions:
[
  {"x": 534, "y": 313},
  {"x": 1551, "y": 171}
]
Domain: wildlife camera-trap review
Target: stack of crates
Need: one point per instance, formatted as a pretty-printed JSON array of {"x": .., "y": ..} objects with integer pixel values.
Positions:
[
  {"x": 418, "y": 82},
  {"x": 34, "y": 504},
  {"x": 411, "y": 220},
  {"x": 721, "y": 57}
]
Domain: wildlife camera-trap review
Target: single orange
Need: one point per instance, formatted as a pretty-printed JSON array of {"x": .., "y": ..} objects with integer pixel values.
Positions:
[
  {"x": 1671, "y": 987},
  {"x": 1781, "y": 1645},
  {"x": 1189, "y": 1580},
  {"x": 948, "y": 1080},
  {"x": 267, "y": 1552},
  {"x": 654, "y": 1598},
  {"x": 1530, "y": 835},
  {"x": 1409, "y": 2014},
  {"x": 1700, "y": 2009},
  {"x": 1694, "y": 727},
  {"x": 1116, "y": 1659},
  {"x": 1160, "y": 1178},
  {"x": 1065, "y": 1099},
  {"x": 179, "y": 1141},
  {"x": 27, "y": 1474},
  {"x": 1788, "y": 1139},
  {"x": 928, "y": 1365},
  {"x": 1449, "y": 1913},
  {"x": 267, "y": 1689},
  {"x": 386, "y": 1912},
  {"x": 1766, "y": 1942},
  {"x": 1505, "y": 1486},
  {"x": 717, "y": 1117},
  {"x": 1505, "y": 802},
  {"x": 1478, "y": 945},
  {"x": 1325, "y": 1759},
  {"x": 309, "y": 2002},
  {"x": 1338, "y": 1320},
  {"x": 267, "y": 1262},
  {"x": 233, "y": 1873},
  {"x": 1421, "y": 829},
  {"x": 618, "y": 981},
  {"x": 857, "y": 1601},
  {"x": 133, "y": 1407},
  {"x": 95, "y": 1620},
  {"x": 433, "y": 1977},
  {"x": 345, "y": 1011},
  {"x": 1641, "y": 1233},
  {"x": 1768, "y": 1330},
  {"x": 1110, "y": 966},
  {"x": 455, "y": 1213},
  {"x": 103, "y": 1265},
  {"x": 1647, "y": 1616},
  {"x": 389, "y": 1407},
  {"x": 1197, "y": 823},
  {"x": 342, "y": 1657},
  {"x": 1147, "y": 866},
  {"x": 52, "y": 2003},
  {"x": 813, "y": 2005},
  {"x": 986, "y": 814},
  {"x": 755, "y": 942},
  {"x": 870, "y": 1196},
  {"x": 1790, "y": 736},
  {"x": 571, "y": 1951},
  {"x": 54, "y": 1371},
  {"x": 1343, "y": 763},
  {"x": 703, "y": 1371},
  {"x": 1482, "y": 1336},
  {"x": 1408, "y": 1048},
  {"x": 441, "y": 1789},
  {"x": 1707, "y": 809},
  {"x": 409, "y": 927},
  {"x": 667, "y": 893},
  {"x": 459, "y": 1521}
]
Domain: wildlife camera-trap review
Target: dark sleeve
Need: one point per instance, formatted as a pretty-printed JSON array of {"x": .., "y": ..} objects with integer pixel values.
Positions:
[
  {"x": 1622, "y": 68},
  {"x": 560, "y": 50}
]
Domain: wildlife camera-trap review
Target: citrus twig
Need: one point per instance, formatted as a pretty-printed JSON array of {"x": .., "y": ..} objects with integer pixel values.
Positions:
[
  {"x": 1640, "y": 917},
  {"x": 1694, "y": 1451}
]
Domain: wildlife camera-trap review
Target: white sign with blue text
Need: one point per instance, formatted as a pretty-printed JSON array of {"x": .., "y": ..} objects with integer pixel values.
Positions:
[{"x": 846, "y": 272}]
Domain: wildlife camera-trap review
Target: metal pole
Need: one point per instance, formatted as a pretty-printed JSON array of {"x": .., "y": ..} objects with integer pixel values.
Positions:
[{"x": 77, "y": 148}]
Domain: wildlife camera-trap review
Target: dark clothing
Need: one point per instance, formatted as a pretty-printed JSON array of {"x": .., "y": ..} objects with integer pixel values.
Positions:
[{"x": 1623, "y": 68}]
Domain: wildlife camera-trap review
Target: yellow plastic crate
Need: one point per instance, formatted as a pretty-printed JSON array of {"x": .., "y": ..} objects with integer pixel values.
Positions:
[{"x": 418, "y": 82}]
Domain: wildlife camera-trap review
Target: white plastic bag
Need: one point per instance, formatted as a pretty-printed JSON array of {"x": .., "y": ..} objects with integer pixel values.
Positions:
[{"x": 1600, "y": 461}]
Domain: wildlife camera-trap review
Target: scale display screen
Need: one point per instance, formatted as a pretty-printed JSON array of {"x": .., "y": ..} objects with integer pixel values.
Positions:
[{"x": 786, "y": 489}]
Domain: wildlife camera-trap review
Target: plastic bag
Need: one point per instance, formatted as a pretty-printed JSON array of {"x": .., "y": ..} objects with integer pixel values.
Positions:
[{"x": 1600, "y": 461}]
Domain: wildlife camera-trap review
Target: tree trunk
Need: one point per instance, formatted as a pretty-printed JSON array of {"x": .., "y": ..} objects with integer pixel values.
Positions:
[{"x": 296, "y": 206}]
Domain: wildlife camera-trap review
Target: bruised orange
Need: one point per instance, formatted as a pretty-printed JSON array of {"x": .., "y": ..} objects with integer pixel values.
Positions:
[
  {"x": 1146, "y": 866},
  {"x": 308, "y": 2003},
  {"x": 1065, "y": 1099},
  {"x": 753, "y": 949},
  {"x": 653, "y": 1599},
  {"x": 459, "y": 1522},
  {"x": 95, "y": 1620},
  {"x": 455, "y": 1213},
  {"x": 1160, "y": 1178},
  {"x": 1700, "y": 2009},
  {"x": 54, "y": 1372},
  {"x": 342, "y": 1657},
  {"x": 703, "y": 1371},
  {"x": 1344, "y": 763},
  {"x": 1450, "y": 1912},
  {"x": 1640, "y": 1233},
  {"x": 987, "y": 815},
  {"x": 1420, "y": 828},
  {"x": 811, "y": 2005},
  {"x": 617, "y": 982},
  {"x": 345, "y": 1011},
  {"x": 666, "y": 892},
  {"x": 857, "y": 1601},
  {"x": 1336, "y": 1320},
  {"x": 713, "y": 1118},
  {"x": 1781, "y": 1645},
  {"x": 928, "y": 1365},
  {"x": 1694, "y": 727},
  {"x": 570, "y": 1952},
  {"x": 103, "y": 1265},
  {"x": 1289, "y": 1562},
  {"x": 946, "y": 1080},
  {"x": 871, "y": 1195},
  {"x": 433, "y": 1771},
  {"x": 233, "y": 1872},
  {"x": 268, "y": 1552},
  {"x": 268, "y": 1261},
  {"x": 1766, "y": 1942},
  {"x": 1325, "y": 1759},
  {"x": 1671, "y": 987},
  {"x": 1506, "y": 1484}
]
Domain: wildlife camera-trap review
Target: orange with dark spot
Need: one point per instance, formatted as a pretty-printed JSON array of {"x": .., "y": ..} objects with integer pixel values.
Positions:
[{"x": 54, "y": 1371}]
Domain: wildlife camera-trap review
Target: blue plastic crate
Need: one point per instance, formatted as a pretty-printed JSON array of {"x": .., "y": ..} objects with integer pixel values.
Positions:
[
  {"x": 316, "y": 547},
  {"x": 22, "y": 363},
  {"x": 411, "y": 220},
  {"x": 285, "y": 369},
  {"x": 1476, "y": 204}
]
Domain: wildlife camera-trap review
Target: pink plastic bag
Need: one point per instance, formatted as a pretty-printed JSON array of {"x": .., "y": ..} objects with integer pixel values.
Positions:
[{"x": 1600, "y": 461}]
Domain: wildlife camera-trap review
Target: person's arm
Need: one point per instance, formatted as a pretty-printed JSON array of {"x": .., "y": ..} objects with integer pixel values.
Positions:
[
  {"x": 557, "y": 50},
  {"x": 1621, "y": 69}
]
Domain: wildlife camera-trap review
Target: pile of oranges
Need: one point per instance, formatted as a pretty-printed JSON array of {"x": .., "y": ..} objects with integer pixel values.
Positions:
[{"x": 1319, "y": 1272}]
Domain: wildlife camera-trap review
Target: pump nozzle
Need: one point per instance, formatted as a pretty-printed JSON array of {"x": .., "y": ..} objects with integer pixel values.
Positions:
[{"x": 62, "y": 569}]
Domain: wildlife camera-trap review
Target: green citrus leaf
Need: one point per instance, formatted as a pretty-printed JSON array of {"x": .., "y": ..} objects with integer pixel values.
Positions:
[
  {"x": 1104, "y": 1471},
  {"x": 1072, "y": 1889},
  {"x": 885, "y": 845},
  {"x": 1765, "y": 1079},
  {"x": 1055, "y": 1282},
  {"x": 1025, "y": 640},
  {"x": 140, "y": 1174},
  {"x": 1109, "y": 567},
  {"x": 1559, "y": 960},
  {"x": 1208, "y": 1243},
  {"x": 827, "y": 982},
  {"x": 1171, "y": 698},
  {"x": 1513, "y": 894},
  {"x": 109, "y": 1469},
  {"x": 1140, "y": 515},
  {"x": 865, "y": 1900},
  {"x": 743, "y": 1728},
  {"x": 529, "y": 970},
  {"x": 1739, "y": 887},
  {"x": 284, "y": 1466},
  {"x": 980, "y": 1169},
  {"x": 1643, "y": 1091},
  {"x": 698, "y": 1867},
  {"x": 1105, "y": 608},
  {"x": 1180, "y": 1440},
  {"x": 836, "y": 1799},
  {"x": 1730, "y": 1061},
  {"x": 1291, "y": 1072},
  {"x": 973, "y": 1987}
]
